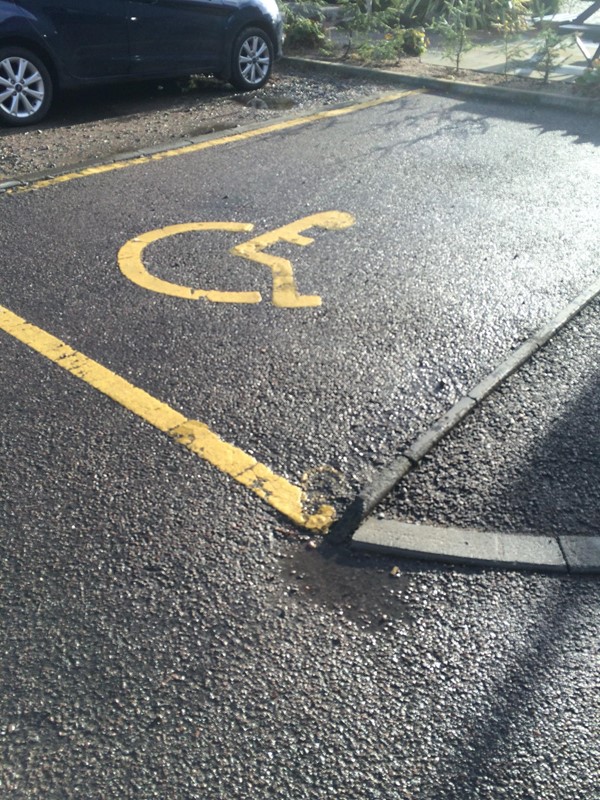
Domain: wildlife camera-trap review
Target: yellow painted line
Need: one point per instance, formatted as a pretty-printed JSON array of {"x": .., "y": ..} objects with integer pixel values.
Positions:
[
  {"x": 132, "y": 266},
  {"x": 285, "y": 292},
  {"x": 276, "y": 127},
  {"x": 192, "y": 434}
]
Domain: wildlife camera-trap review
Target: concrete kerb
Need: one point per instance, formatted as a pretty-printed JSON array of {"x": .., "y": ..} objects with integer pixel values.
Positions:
[
  {"x": 563, "y": 554},
  {"x": 578, "y": 554},
  {"x": 501, "y": 94}
]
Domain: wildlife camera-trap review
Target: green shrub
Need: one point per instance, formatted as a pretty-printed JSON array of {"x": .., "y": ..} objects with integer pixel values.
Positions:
[
  {"x": 550, "y": 46},
  {"x": 393, "y": 46},
  {"x": 543, "y": 8},
  {"x": 589, "y": 82},
  {"x": 309, "y": 9},
  {"x": 456, "y": 26},
  {"x": 510, "y": 22},
  {"x": 415, "y": 41},
  {"x": 485, "y": 12},
  {"x": 301, "y": 32},
  {"x": 390, "y": 48},
  {"x": 362, "y": 16}
]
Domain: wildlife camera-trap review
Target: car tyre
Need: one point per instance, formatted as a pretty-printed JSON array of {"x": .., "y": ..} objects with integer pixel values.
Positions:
[
  {"x": 25, "y": 87},
  {"x": 252, "y": 59}
]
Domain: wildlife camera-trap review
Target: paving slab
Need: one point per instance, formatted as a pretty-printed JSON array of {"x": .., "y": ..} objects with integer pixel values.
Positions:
[{"x": 519, "y": 57}]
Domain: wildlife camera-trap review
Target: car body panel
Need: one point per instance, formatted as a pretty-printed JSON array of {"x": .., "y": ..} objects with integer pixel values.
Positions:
[
  {"x": 57, "y": 44},
  {"x": 175, "y": 36},
  {"x": 92, "y": 41},
  {"x": 87, "y": 38}
]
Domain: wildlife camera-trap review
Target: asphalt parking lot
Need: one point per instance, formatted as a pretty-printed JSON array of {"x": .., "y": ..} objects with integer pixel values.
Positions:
[{"x": 167, "y": 635}]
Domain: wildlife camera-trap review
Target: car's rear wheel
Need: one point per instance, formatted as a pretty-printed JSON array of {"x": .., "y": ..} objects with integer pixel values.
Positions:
[
  {"x": 25, "y": 87},
  {"x": 252, "y": 59}
]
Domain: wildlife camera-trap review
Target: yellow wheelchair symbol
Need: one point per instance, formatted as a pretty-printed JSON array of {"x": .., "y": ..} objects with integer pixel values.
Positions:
[{"x": 285, "y": 292}]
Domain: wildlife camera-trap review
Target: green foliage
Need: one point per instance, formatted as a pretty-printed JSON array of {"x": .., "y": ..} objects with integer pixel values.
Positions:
[
  {"x": 306, "y": 9},
  {"x": 511, "y": 20},
  {"x": 366, "y": 16},
  {"x": 415, "y": 41},
  {"x": 362, "y": 18},
  {"x": 301, "y": 32},
  {"x": 393, "y": 46},
  {"x": 458, "y": 20},
  {"x": 589, "y": 82},
  {"x": 485, "y": 12},
  {"x": 303, "y": 24},
  {"x": 509, "y": 16},
  {"x": 544, "y": 8},
  {"x": 390, "y": 48},
  {"x": 548, "y": 53}
]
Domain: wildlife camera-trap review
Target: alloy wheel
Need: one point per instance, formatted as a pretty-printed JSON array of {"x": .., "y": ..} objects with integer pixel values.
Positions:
[
  {"x": 22, "y": 88},
  {"x": 254, "y": 60}
]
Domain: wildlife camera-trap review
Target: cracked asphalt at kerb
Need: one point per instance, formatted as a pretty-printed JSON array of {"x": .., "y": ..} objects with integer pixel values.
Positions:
[{"x": 168, "y": 635}]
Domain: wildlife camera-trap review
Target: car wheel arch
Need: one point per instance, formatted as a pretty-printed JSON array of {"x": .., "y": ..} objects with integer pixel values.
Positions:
[{"x": 36, "y": 49}]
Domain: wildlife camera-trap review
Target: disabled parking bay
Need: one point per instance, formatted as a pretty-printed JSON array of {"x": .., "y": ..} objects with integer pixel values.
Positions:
[
  {"x": 292, "y": 304},
  {"x": 204, "y": 352}
]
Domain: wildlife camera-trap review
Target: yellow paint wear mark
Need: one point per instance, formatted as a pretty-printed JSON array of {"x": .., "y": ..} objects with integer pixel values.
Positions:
[
  {"x": 194, "y": 435},
  {"x": 285, "y": 293},
  {"x": 132, "y": 266},
  {"x": 205, "y": 145}
]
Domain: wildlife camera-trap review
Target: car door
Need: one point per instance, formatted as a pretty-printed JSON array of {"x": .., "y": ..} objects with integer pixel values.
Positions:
[
  {"x": 176, "y": 37},
  {"x": 88, "y": 36}
]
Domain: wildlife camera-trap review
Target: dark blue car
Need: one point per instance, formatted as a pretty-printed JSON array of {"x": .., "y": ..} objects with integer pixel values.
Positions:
[{"x": 46, "y": 45}]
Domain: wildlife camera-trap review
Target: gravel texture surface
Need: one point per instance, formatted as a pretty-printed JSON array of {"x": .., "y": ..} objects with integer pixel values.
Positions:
[
  {"x": 107, "y": 122},
  {"x": 154, "y": 646}
]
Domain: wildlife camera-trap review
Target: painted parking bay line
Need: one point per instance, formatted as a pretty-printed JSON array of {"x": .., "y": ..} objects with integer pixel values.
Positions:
[
  {"x": 192, "y": 434},
  {"x": 205, "y": 144}
]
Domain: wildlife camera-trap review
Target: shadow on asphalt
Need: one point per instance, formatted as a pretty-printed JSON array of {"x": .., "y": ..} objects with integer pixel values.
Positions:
[
  {"x": 580, "y": 128},
  {"x": 514, "y": 700},
  {"x": 556, "y": 489},
  {"x": 468, "y": 118}
]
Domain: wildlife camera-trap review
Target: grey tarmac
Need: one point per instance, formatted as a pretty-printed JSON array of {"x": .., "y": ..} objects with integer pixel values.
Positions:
[{"x": 167, "y": 635}]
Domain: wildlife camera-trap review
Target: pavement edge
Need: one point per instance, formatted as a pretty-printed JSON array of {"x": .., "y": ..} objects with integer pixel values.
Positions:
[
  {"x": 563, "y": 554},
  {"x": 455, "y": 88},
  {"x": 578, "y": 554}
]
